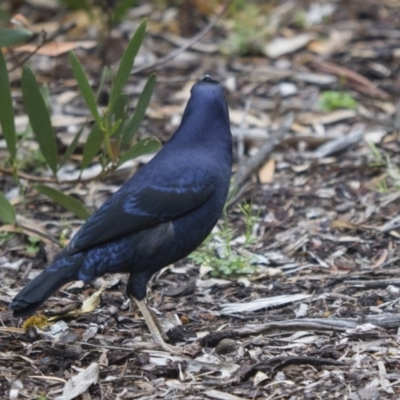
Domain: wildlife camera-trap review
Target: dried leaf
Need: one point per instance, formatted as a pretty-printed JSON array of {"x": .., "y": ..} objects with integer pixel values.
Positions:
[
  {"x": 266, "y": 173},
  {"x": 78, "y": 384},
  {"x": 55, "y": 49}
]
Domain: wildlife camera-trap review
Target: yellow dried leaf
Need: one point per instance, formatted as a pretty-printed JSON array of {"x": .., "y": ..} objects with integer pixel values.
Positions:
[
  {"x": 266, "y": 173},
  {"x": 342, "y": 224},
  {"x": 92, "y": 302},
  {"x": 35, "y": 320},
  {"x": 54, "y": 49}
]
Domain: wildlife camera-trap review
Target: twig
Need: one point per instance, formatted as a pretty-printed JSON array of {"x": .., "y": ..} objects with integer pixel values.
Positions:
[
  {"x": 21, "y": 174},
  {"x": 355, "y": 136},
  {"x": 240, "y": 139},
  {"x": 276, "y": 363},
  {"x": 255, "y": 162},
  {"x": 385, "y": 321},
  {"x": 188, "y": 44},
  {"x": 372, "y": 284},
  {"x": 27, "y": 57},
  {"x": 34, "y": 178}
]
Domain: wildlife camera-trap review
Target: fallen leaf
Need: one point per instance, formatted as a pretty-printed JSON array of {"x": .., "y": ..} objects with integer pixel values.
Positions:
[
  {"x": 266, "y": 173},
  {"x": 280, "y": 46},
  {"x": 54, "y": 49},
  {"x": 78, "y": 384}
]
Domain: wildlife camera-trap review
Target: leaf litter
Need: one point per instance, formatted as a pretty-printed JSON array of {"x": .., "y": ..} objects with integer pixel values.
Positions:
[{"x": 326, "y": 324}]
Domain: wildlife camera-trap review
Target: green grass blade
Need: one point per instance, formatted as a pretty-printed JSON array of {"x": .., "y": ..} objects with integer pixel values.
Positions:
[
  {"x": 85, "y": 88},
  {"x": 7, "y": 211},
  {"x": 126, "y": 64},
  {"x": 9, "y": 36},
  {"x": 6, "y": 110},
  {"x": 132, "y": 124},
  {"x": 120, "y": 112},
  {"x": 121, "y": 107},
  {"x": 64, "y": 200},
  {"x": 71, "y": 148},
  {"x": 39, "y": 118},
  {"x": 144, "y": 146},
  {"x": 92, "y": 146}
]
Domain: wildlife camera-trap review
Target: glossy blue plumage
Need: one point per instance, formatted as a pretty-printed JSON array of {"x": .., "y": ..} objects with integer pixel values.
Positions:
[{"x": 157, "y": 217}]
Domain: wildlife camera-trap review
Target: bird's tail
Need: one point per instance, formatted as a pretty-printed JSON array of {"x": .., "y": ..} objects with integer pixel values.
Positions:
[{"x": 38, "y": 290}]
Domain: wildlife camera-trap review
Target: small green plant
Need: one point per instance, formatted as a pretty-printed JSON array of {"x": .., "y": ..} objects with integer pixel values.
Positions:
[
  {"x": 390, "y": 180},
  {"x": 119, "y": 7},
  {"x": 33, "y": 245},
  {"x": 219, "y": 253},
  {"x": 5, "y": 237},
  {"x": 331, "y": 100},
  {"x": 379, "y": 158},
  {"x": 300, "y": 19},
  {"x": 110, "y": 138},
  {"x": 249, "y": 28}
]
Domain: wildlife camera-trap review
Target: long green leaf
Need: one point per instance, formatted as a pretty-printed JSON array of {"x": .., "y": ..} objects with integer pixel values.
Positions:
[
  {"x": 126, "y": 64},
  {"x": 71, "y": 148},
  {"x": 7, "y": 212},
  {"x": 132, "y": 124},
  {"x": 9, "y": 36},
  {"x": 144, "y": 146},
  {"x": 39, "y": 118},
  {"x": 64, "y": 200},
  {"x": 6, "y": 110},
  {"x": 121, "y": 107},
  {"x": 120, "y": 112},
  {"x": 92, "y": 146},
  {"x": 85, "y": 88}
]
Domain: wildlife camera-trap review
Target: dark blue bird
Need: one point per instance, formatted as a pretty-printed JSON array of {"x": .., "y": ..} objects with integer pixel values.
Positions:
[{"x": 159, "y": 216}]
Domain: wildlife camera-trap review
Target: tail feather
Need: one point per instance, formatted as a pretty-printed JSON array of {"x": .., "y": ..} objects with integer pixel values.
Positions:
[{"x": 37, "y": 291}]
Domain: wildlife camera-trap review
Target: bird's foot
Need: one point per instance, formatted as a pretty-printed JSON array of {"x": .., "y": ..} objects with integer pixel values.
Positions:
[
  {"x": 155, "y": 329},
  {"x": 174, "y": 350}
]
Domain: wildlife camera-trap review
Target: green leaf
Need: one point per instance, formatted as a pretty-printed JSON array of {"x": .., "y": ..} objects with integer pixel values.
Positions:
[
  {"x": 332, "y": 100},
  {"x": 71, "y": 148},
  {"x": 132, "y": 124},
  {"x": 64, "y": 200},
  {"x": 39, "y": 118},
  {"x": 78, "y": 5},
  {"x": 121, "y": 107},
  {"x": 92, "y": 146},
  {"x": 85, "y": 88},
  {"x": 144, "y": 146},
  {"x": 106, "y": 74},
  {"x": 120, "y": 112},
  {"x": 6, "y": 110},
  {"x": 7, "y": 212},
  {"x": 9, "y": 36},
  {"x": 126, "y": 64},
  {"x": 115, "y": 127}
]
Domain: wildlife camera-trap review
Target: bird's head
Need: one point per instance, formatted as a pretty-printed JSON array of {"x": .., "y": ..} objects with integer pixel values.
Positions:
[
  {"x": 208, "y": 90},
  {"x": 207, "y": 100},
  {"x": 206, "y": 118}
]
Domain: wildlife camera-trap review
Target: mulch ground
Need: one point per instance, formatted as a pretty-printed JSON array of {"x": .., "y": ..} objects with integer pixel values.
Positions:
[{"x": 319, "y": 317}]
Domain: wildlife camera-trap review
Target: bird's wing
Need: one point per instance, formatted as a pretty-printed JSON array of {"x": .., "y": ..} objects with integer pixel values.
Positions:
[{"x": 125, "y": 213}]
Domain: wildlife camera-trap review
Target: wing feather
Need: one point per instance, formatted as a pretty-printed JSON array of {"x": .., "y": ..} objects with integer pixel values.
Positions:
[{"x": 125, "y": 213}]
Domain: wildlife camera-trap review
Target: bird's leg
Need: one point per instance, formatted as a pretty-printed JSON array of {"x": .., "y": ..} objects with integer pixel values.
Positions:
[{"x": 155, "y": 328}]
